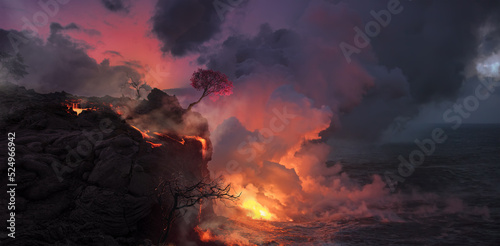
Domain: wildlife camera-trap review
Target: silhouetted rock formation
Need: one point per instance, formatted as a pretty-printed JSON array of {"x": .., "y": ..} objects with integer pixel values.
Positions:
[{"x": 88, "y": 179}]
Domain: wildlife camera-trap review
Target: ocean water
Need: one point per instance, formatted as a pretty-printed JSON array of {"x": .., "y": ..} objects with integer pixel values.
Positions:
[{"x": 459, "y": 204}]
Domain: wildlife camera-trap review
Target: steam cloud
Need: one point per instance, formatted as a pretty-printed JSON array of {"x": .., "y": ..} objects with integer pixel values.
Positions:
[
  {"x": 300, "y": 67},
  {"x": 60, "y": 63},
  {"x": 183, "y": 26},
  {"x": 291, "y": 62}
]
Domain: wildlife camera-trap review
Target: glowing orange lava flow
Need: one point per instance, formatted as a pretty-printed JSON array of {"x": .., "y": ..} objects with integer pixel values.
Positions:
[
  {"x": 203, "y": 144},
  {"x": 154, "y": 145},
  {"x": 163, "y": 135},
  {"x": 116, "y": 109},
  {"x": 74, "y": 107},
  {"x": 183, "y": 141},
  {"x": 143, "y": 133},
  {"x": 205, "y": 235}
]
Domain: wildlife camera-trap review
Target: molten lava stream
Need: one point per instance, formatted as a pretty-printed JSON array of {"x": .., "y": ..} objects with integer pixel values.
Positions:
[
  {"x": 241, "y": 231},
  {"x": 256, "y": 228},
  {"x": 143, "y": 133},
  {"x": 203, "y": 144},
  {"x": 183, "y": 141},
  {"x": 205, "y": 235},
  {"x": 74, "y": 106},
  {"x": 164, "y": 135},
  {"x": 154, "y": 145},
  {"x": 116, "y": 109}
]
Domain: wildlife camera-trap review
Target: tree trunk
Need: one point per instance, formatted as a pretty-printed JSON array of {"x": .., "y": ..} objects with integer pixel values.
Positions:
[
  {"x": 138, "y": 93},
  {"x": 199, "y": 100}
]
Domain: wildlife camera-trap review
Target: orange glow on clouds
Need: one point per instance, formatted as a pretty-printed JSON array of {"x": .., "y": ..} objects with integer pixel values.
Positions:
[
  {"x": 121, "y": 38},
  {"x": 257, "y": 211},
  {"x": 205, "y": 235}
]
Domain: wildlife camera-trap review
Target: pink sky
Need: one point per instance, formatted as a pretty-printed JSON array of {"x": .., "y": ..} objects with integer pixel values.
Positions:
[{"x": 129, "y": 34}]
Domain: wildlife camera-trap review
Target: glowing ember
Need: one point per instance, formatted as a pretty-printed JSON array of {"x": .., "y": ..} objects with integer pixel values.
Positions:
[
  {"x": 257, "y": 211},
  {"x": 75, "y": 107},
  {"x": 154, "y": 145},
  {"x": 203, "y": 144},
  {"x": 205, "y": 235},
  {"x": 183, "y": 141},
  {"x": 163, "y": 135},
  {"x": 143, "y": 133},
  {"x": 116, "y": 109}
]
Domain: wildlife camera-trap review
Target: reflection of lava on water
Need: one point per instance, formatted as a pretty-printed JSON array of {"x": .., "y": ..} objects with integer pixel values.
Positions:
[{"x": 260, "y": 232}]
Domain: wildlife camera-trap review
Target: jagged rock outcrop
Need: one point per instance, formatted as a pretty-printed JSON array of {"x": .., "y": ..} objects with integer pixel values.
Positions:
[{"x": 89, "y": 179}]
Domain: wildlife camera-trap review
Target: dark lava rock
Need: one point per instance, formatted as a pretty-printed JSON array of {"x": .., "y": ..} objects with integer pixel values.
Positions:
[{"x": 80, "y": 185}]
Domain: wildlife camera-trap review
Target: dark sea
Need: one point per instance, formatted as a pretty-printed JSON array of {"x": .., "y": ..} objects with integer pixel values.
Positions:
[{"x": 458, "y": 186}]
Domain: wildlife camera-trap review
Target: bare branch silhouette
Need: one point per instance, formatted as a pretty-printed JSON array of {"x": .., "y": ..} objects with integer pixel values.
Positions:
[{"x": 182, "y": 195}]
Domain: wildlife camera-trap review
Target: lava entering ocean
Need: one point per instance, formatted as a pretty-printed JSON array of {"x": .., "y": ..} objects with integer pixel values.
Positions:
[
  {"x": 284, "y": 179},
  {"x": 205, "y": 235},
  {"x": 257, "y": 211}
]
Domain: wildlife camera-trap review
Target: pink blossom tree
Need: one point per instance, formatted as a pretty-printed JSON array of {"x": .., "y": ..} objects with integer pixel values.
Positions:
[{"x": 212, "y": 83}]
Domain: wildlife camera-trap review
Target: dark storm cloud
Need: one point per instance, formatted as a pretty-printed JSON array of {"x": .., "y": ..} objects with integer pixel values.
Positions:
[
  {"x": 420, "y": 57},
  {"x": 56, "y": 27},
  {"x": 388, "y": 100},
  {"x": 116, "y": 5},
  {"x": 113, "y": 53},
  {"x": 183, "y": 25},
  {"x": 242, "y": 55},
  {"x": 6, "y": 45},
  {"x": 313, "y": 67},
  {"x": 431, "y": 41},
  {"x": 60, "y": 63},
  {"x": 489, "y": 38}
]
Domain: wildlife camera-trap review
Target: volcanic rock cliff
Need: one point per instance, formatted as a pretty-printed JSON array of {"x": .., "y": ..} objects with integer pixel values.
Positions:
[{"x": 89, "y": 178}]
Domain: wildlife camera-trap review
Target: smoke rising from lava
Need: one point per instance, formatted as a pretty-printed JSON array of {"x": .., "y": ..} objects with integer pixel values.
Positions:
[{"x": 302, "y": 70}]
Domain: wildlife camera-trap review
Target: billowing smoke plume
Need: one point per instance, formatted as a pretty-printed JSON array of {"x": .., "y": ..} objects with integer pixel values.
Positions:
[
  {"x": 62, "y": 64},
  {"x": 116, "y": 5},
  {"x": 293, "y": 84},
  {"x": 183, "y": 26},
  {"x": 487, "y": 63},
  {"x": 290, "y": 85}
]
